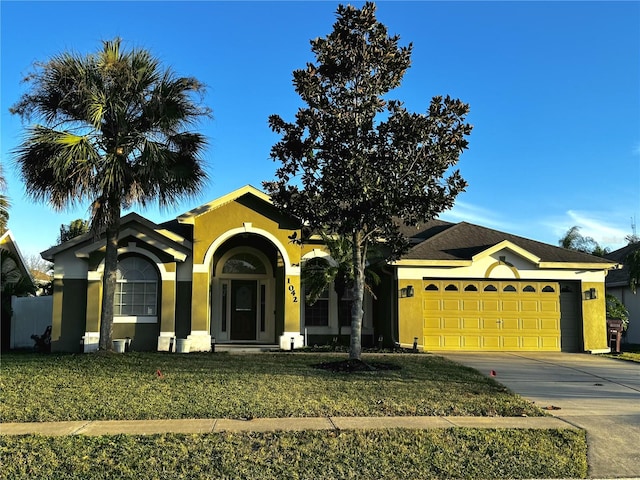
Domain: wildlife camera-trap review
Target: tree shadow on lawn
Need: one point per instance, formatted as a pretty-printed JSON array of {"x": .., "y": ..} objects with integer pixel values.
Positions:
[{"x": 351, "y": 365}]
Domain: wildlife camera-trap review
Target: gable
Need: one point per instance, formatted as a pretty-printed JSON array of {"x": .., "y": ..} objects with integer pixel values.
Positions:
[{"x": 133, "y": 228}]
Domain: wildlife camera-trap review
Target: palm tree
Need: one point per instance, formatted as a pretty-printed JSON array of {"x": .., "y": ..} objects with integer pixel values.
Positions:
[
  {"x": 4, "y": 203},
  {"x": 319, "y": 274},
  {"x": 113, "y": 133}
]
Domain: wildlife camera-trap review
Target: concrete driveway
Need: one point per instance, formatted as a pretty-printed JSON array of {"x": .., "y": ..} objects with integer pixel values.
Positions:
[{"x": 601, "y": 395}]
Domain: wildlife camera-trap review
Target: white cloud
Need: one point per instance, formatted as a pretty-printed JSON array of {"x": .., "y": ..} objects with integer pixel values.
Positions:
[
  {"x": 607, "y": 228},
  {"x": 466, "y": 212}
]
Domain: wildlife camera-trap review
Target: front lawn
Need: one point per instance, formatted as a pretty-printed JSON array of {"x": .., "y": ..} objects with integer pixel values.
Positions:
[
  {"x": 382, "y": 454},
  {"x": 151, "y": 385},
  {"x": 156, "y": 386}
]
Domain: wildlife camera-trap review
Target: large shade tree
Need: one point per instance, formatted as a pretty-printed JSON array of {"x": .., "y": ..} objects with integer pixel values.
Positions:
[
  {"x": 354, "y": 162},
  {"x": 112, "y": 129}
]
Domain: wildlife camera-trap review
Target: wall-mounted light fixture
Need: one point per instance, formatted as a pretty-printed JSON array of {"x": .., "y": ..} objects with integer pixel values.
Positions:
[
  {"x": 408, "y": 291},
  {"x": 590, "y": 294}
]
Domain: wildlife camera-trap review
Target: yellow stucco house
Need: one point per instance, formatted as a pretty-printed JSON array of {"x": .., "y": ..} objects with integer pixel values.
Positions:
[{"x": 229, "y": 272}]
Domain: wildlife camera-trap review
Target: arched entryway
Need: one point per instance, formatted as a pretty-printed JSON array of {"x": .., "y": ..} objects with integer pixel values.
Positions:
[{"x": 243, "y": 293}]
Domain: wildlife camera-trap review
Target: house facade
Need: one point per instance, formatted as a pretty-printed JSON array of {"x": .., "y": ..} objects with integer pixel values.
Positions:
[
  {"x": 617, "y": 284},
  {"x": 230, "y": 272}
]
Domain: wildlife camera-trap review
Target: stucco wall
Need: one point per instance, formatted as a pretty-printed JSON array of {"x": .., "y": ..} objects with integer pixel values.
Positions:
[{"x": 70, "y": 302}]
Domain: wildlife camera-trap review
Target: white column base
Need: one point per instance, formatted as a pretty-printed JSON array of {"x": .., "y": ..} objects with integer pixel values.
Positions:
[
  {"x": 91, "y": 342},
  {"x": 165, "y": 340},
  {"x": 600, "y": 350},
  {"x": 200, "y": 341},
  {"x": 285, "y": 340}
]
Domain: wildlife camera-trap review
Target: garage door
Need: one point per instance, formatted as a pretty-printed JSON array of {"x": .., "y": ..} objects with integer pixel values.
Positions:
[{"x": 491, "y": 315}]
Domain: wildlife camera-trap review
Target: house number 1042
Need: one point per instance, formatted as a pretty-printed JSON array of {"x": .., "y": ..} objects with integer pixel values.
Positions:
[{"x": 292, "y": 291}]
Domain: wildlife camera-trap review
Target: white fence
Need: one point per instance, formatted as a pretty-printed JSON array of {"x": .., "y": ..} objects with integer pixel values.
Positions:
[{"x": 31, "y": 316}]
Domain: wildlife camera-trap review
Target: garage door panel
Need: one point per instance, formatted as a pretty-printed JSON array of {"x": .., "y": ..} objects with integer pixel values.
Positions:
[
  {"x": 510, "y": 342},
  {"x": 490, "y": 323},
  {"x": 510, "y": 305},
  {"x": 481, "y": 318},
  {"x": 449, "y": 323},
  {"x": 472, "y": 305},
  {"x": 549, "y": 306},
  {"x": 529, "y": 305},
  {"x": 432, "y": 323},
  {"x": 472, "y": 342},
  {"x": 490, "y": 305},
  {"x": 511, "y": 324},
  {"x": 490, "y": 342},
  {"x": 550, "y": 343},
  {"x": 471, "y": 323},
  {"x": 452, "y": 341},
  {"x": 431, "y": 305}
]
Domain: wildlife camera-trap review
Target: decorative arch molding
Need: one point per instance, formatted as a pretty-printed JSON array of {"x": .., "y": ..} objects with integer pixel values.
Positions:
[
  {"x": 133, "y": 248},
  {"x": 246, "y": 228},
  {"x": 494, "y": 265},
  {"x": 317, "y": 253}
]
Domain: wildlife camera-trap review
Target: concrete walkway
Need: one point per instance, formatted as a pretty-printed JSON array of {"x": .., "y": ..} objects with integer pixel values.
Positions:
[
  {"x": 599, "y": 394},
  {"x": 149, "y": 427}
]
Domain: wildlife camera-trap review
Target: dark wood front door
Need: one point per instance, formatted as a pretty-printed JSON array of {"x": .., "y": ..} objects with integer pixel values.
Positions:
[{"x": 243, "y": 309}]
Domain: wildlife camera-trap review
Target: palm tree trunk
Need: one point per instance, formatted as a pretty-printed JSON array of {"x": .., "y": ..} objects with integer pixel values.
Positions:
[
  {"x": 355, "y": 351},
  {"x": 109, "y": 285}
]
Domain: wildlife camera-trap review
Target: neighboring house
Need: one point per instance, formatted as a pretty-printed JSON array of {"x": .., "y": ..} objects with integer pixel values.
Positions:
[
  {"x": 617, "y": 284},
  {"x": 230, "y": 271},
  {"x": 13, "y": 269}
]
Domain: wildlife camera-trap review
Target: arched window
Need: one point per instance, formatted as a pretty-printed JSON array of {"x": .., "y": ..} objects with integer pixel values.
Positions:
[
  {"x": 136, "y": 288},
  {"x": 246, "y": 263},
  {"x": 490, "y": 288},
  {"x": 529, "y": 288},
  {"x": 509, "y": 288},
  {"x": 470, "y": 288},
  {"x": 431, "y": 288},
  {"x": 548, "y": 289},
  {"x": 451, "y": 288}
]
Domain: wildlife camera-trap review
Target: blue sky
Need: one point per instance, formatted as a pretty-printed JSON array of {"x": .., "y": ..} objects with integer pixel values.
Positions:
[{"x": 554, "y": 91}]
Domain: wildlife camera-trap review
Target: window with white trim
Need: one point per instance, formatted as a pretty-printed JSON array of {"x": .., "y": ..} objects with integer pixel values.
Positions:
[{"x": 136, "y": 289}]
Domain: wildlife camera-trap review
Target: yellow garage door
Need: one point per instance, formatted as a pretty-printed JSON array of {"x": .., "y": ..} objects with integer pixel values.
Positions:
[{"x": 491, "y": 315}]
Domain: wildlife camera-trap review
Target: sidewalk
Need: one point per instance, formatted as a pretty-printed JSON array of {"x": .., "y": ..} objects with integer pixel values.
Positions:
[{"x": 187, "y": 426}]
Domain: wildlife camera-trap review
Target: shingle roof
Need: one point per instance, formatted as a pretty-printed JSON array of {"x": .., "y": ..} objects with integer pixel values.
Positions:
[
  {"x": 463, "y": 240},
  {"x": 621, "y": 276}
]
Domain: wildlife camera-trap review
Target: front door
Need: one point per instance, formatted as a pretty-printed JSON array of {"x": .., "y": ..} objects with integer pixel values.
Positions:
[{"x": 244, "y": 295}]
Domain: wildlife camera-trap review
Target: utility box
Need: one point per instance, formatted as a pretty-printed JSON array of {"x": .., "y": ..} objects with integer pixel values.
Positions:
[{"x": 614, "y": 334}]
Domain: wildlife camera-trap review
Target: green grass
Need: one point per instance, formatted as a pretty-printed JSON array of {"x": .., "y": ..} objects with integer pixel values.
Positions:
[
  {"x": 382, "y": 454},
  {"x": 106, "y": 387},
  {"x": 630, "y": 352}
]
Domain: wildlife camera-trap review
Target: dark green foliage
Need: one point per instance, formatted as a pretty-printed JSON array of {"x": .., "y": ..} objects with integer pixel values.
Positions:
[
  {"x": 459, "y": 453},
  {"x": 354, "y": 162},
  {"x": 74, "y": 229}
]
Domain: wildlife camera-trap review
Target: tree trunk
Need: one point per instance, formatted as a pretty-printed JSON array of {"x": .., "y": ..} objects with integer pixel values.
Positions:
[
  {"x": 109, "y": 285},
  {"x": 355, "y": 351}
]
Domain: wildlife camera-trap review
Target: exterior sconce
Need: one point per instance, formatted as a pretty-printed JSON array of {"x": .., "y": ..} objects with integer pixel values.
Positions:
[
  {"x": 590, "y": 294},
  {"x": 407, "y": 292}
]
